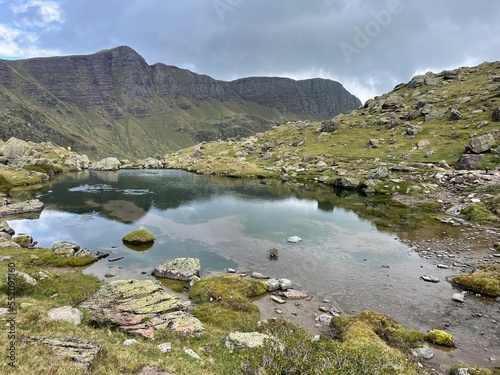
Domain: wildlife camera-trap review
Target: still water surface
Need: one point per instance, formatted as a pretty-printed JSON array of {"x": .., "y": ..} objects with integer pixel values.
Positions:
[{"x": 347, "y": 254}]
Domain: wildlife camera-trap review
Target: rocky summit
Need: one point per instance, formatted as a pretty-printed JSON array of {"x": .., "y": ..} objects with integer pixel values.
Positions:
[{"x": 114, "y": 103}]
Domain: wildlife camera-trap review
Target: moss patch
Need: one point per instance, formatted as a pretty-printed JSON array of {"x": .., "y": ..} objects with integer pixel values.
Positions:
[
  {"x": 139, "y": 237},
  {"x": 440, "y": 337},
  {"x": 478, "y": 213},
  {"x": 373, "y": 327},
  {"x": 485, "y": 280},
  {"x": 224, "y": 302}
]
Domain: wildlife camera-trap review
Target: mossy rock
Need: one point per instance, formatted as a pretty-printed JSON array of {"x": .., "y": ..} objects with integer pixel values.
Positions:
[
  {"x": 440, "y": 337},
  {"x": 486, "y": 280},
  {"x": 226, "y": 287},
  {"x": 138, "y": 237},
  {"x": 375, "y": 328}
]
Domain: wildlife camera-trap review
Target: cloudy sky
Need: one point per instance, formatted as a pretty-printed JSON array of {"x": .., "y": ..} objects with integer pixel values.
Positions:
[{"x": 367, "y": 45}]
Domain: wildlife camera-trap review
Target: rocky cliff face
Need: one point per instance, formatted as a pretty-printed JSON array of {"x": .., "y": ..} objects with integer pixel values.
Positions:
[{"x": 113, "y": 102}]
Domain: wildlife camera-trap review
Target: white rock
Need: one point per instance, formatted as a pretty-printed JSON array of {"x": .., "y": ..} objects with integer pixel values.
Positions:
[
  {"x": 66, "y": 314},
  {"x": 130, "y": 342},
  {"x": 165, "y": 347},
  {"x": 242, "y": 340},
  {"x": 293, "y": 239},
  {"x": 191, "y": 353},
  {"x": 286, "y": 284},
  {"x": 424, "y": 352},
  {"x": 272, "y": 285},
  {"x": 324, "y": 319},
  {"x": 459, "y": 297}
]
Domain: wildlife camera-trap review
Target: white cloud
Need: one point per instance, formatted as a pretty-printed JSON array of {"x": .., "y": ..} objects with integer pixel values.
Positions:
[{"x": 38, "y": 13}]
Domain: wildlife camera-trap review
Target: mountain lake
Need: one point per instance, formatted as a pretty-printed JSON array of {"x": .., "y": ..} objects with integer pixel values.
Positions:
[{"x": 354, "y": 251}]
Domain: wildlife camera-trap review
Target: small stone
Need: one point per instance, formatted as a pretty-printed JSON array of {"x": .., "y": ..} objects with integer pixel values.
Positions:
[
  {"x": 316, "y": 338},
  {"x": 443, "y": 266},
  {"x": 293, "y": 294},
  {"x": 258, "y": 275},
  {"x": 231, "y": 270},
  {"x": 295, "y": 313},
  {"x": 324, "y": 319},
  {"x": 323, "y": 308},
  {"x": 459, "y": 297},
  {"x": 129, "y": 342},
  {"x": 294, "y": 239},
  {"x": 278, "y": 311},
  {"x": 285, "y": 284},
  {"x": 165, "y": 347},
  {"x": 424, "y": 352},
  {"x": 109, "y": 275},
  {"x": 278, "y": 300},
  {"x": 191, "y": 353},
  {"x": 429, "y": 278}
]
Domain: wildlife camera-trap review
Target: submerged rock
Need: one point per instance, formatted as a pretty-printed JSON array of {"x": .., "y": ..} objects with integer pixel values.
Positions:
[
  {"x": 178, "y": 269},
  {"x": 294, "y": 239}
]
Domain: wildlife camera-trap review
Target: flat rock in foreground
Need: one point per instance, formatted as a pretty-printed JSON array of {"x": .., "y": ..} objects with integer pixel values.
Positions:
[
  {"x": 138, "y": 307},
  {"x": 81, "y": 352},
  {"x": 178, "y": 269}
]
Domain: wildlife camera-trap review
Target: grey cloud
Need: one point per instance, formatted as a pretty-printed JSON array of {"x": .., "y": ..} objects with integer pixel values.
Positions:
[{"x": 262, "y": 37}]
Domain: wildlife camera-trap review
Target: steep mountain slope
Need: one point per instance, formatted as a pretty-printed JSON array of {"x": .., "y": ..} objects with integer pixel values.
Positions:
[
  {"x": 114, "y": 103},
  {"x": 451, "y": 117}
]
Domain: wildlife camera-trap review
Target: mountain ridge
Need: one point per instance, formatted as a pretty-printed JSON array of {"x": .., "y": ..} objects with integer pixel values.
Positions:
[{"x": 113, "y": 102}]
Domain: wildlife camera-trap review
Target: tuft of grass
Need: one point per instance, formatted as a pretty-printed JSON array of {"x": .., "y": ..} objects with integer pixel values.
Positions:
[
  {"x": 139, "y": 237},
  {"x": 48, "y": 257},
  {"x": 478, "y": 213},
  {"x": 439, "y": 337},
  {"x": 225, "y": 288},
  {"x": 224, "y": 302},
  {"x": 370, "y": 326},
  {"x": 485, "y": 280}
]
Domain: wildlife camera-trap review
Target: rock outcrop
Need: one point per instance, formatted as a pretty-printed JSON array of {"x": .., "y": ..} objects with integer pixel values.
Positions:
[
  {"x": 30, "y": 206},
  {"x": 139, "y": 307}
]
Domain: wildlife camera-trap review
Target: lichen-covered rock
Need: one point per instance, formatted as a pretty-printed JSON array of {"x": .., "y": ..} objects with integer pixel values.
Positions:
[
  {"x": 329, "y": 126},
  {"x": 27, "y": 278},
  {"x": 178, "y": 269},
  {"x": 66, "y": 314},
  {"x": 135, "y": 306},
  {"x": 66, "y": 248},
  {"x": 482, "y": 144},
  {"x": 107, "y": 164},
  {"x": 243, "y": 340},
  {"x": 81, "y": 352},
  {"x": 32, "y": 205},
  {"x": 183, "y": 323}
]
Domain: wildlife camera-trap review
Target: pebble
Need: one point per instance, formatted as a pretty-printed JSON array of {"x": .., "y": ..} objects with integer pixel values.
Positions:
[
  {"x": 258, "y": 275},
  {"x": 429, "y": 278},
  {"x": 278, "y": 311},
  {"x": 165, "y": 347},
  {"x": 278, "y": 299},
  {"x": 192, "y": 353},
  {"x": 231, "y": 270},
  {"x": 459, "y": 297}
]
